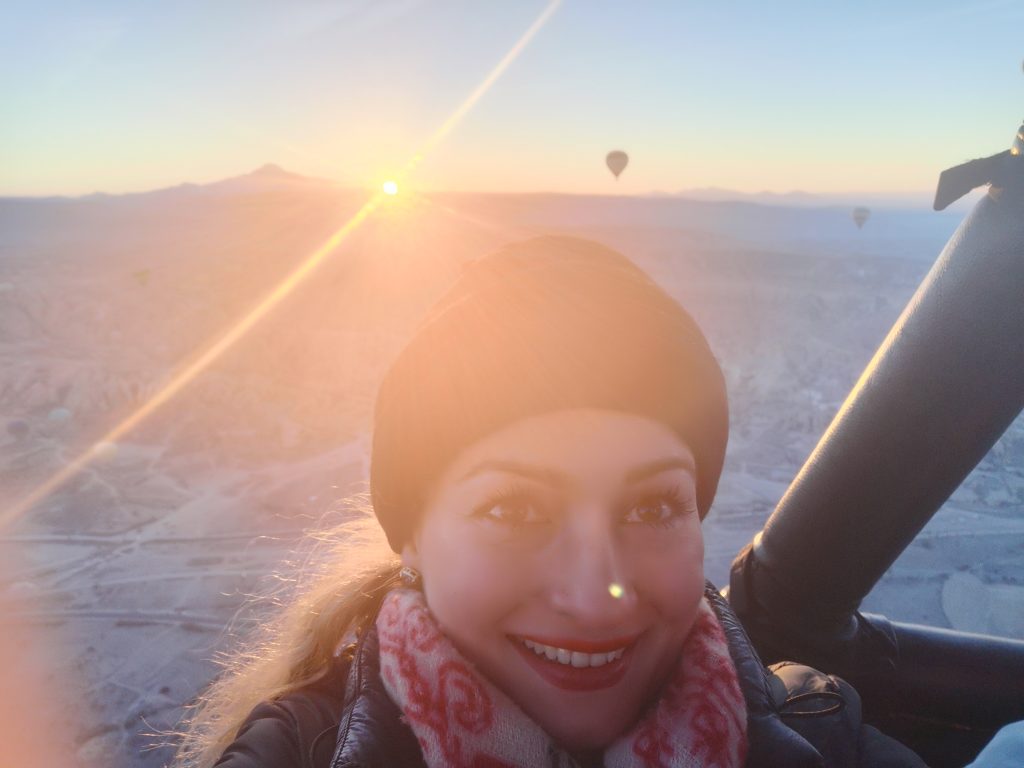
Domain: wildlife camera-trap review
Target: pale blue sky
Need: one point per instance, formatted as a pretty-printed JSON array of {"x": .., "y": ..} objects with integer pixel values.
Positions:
[{"x": 866, "y": 96}]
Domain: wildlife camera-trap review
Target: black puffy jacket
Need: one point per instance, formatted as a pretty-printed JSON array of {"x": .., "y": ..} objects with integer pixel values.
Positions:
[{"x": 797, "y": 717}]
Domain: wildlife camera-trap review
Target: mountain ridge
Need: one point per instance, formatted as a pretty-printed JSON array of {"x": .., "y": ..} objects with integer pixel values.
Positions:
[{"x": 270, "y": 176}]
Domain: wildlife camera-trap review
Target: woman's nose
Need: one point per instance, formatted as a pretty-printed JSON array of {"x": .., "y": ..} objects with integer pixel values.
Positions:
[{"x": 590, "y": 578}]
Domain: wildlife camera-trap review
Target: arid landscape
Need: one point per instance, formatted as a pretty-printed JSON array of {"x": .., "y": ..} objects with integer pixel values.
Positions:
[{"x": 129, "y": 573}]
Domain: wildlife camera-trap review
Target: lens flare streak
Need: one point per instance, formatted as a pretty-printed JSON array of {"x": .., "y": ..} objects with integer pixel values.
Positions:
[
  {"x": 234, "y": 334},
  {"x": 477, "y": 94},
  {"x": 191, "y": 371}
]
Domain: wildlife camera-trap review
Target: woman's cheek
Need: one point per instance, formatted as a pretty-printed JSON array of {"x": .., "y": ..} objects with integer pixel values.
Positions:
[
  {"x": 479, "y": 574},
  {"x": 666, "y": 566},
  {"x": 681, "y": 543}
]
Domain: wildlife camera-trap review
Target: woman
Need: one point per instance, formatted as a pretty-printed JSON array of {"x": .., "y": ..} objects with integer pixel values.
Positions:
[{"x": 545, "y": 449}]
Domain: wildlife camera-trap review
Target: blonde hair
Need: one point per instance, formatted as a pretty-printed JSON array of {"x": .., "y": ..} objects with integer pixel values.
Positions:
[{"x": 335, "y": 592}]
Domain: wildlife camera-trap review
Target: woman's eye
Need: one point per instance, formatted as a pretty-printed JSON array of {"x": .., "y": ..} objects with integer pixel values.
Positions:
[
  {"x": 662, "y": 509},
  {"x": 512, "y": 510}
]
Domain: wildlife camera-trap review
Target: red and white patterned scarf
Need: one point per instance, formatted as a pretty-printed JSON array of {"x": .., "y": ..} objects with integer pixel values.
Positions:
[{"x": 462, "y": 720}]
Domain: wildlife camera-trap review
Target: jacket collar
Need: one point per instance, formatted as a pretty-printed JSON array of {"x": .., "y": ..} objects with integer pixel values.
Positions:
[{"x": 371, "y": 733}]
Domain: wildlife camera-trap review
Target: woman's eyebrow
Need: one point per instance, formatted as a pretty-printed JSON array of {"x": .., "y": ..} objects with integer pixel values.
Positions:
[
  {"x": 555, "y": 478},
  {"x": 644, "y": 471},
  {"x": 542, "y": 474}
]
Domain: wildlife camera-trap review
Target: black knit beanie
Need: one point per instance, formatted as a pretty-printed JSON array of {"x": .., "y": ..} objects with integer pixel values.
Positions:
[{"x": 543, "y": 325}]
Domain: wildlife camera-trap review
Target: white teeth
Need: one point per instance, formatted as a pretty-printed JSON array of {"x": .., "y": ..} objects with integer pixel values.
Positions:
[{"x": 573, "y": 658}]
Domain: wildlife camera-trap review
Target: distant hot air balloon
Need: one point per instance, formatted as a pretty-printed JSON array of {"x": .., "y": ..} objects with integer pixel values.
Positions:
[
  {"x": 860, "y": 215},
  {"x": 59, "y": 415},
  {"x": 617, "y": 160},
  {"x": 18, "y": 429}
]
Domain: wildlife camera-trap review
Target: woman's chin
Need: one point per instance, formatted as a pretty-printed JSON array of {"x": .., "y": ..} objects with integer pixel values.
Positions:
[
  {"x": 584, "y": 736},
  {"x": 580, "y": 742}
]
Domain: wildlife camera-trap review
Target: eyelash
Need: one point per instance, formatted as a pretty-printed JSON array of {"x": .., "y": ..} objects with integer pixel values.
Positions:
[
  {"x": 672, "y": 497},
  {"x": 510, "y": 493}
]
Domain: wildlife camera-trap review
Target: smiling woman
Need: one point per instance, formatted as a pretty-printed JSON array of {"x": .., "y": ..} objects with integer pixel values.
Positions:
[
  {"x": 517, "y": 557},
  {"x": 545, "y": 449}
]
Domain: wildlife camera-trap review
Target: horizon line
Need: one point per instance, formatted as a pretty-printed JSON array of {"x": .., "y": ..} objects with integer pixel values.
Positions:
[{"x": 711, "y": 193}]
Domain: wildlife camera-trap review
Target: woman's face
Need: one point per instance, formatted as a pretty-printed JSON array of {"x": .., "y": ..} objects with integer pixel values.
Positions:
[{"x": 572, "y": 535}]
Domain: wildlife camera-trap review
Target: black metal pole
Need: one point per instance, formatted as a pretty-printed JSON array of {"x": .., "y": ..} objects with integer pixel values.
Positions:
[{"x": 941, "y": 389}]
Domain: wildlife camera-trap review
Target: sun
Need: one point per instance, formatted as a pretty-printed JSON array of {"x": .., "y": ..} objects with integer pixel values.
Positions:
[{"x": 390, "y": 188}]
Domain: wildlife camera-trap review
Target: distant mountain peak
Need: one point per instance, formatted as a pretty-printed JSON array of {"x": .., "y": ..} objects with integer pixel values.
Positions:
[
  {"x": 273, "y": 171},
  {"x": 267, "y": 176}
]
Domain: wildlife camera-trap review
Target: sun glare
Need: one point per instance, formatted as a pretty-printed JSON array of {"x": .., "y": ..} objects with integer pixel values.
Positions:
[{"x": 106, "y": 448}]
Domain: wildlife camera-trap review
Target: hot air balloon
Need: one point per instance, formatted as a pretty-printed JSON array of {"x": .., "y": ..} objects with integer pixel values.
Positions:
[
  {"x": 860, "y": 215},
  {"x": 59, "y": 415},
  {"x": 617, "y": 160},
  {"x": 18, "y": 429}
]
